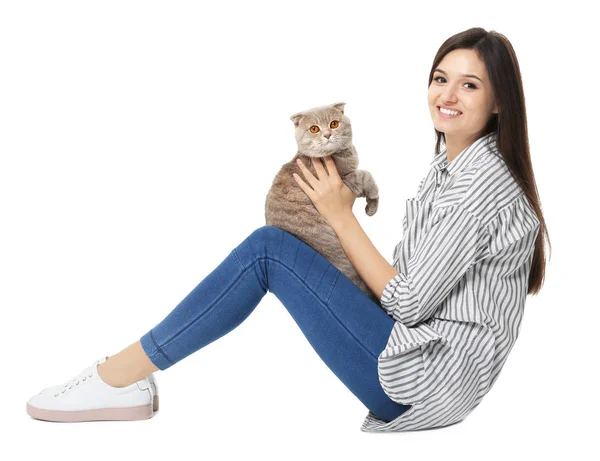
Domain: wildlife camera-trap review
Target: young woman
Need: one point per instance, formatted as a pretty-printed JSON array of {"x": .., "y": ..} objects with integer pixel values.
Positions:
[{"x": 451, "y": 303}]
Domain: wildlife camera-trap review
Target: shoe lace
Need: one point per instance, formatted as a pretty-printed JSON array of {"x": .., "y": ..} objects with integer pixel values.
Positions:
[{"x": 81, "y": 377}]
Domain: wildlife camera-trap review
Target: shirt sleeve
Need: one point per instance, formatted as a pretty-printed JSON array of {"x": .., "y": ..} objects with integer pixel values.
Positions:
[{"x": 446, "y": 250}]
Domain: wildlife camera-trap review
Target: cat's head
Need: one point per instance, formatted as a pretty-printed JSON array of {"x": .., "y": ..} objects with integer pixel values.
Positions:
[{"x": 322, "y": 130}]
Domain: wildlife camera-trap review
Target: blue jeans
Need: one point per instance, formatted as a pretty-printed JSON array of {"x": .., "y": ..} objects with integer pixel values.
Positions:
[{"x": 344, "y": 326}]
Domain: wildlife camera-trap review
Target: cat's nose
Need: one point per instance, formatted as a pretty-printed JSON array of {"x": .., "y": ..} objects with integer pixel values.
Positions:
[{"x": 327, "y": 135}]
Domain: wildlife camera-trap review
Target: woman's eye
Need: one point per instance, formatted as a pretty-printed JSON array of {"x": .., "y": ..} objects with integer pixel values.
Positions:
[
  {"x": 468, "y": 83},
  {"x": 334, "y": 124},
  {"x": 314, "y": 129}
]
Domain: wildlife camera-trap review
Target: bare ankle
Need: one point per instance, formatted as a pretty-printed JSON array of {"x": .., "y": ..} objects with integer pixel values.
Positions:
[
  {"x": 127, "y": 367},
  {"x": 109, "y": 377}
]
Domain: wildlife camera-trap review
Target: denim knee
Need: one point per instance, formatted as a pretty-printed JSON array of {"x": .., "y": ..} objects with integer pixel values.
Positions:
[
  {"x": 266, "y": 241},
  {"x": 263, "y": 242},
  {"x": 267, "y": 235}
]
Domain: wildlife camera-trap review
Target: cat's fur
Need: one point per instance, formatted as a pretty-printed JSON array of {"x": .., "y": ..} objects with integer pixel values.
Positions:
[{"x": 289, "y": 208}]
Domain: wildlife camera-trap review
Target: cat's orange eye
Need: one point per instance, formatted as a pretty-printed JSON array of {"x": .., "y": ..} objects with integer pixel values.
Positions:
[
  {"x": 334, "y": 124},
  {"x": 314, "y": 129}
]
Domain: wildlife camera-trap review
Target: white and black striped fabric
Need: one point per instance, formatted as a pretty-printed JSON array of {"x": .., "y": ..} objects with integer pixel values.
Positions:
[{"x": 458, "y": 299}]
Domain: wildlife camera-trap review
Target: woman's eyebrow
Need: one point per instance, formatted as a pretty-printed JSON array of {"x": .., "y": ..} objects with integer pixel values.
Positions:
[{"x": 462, "y": 75}]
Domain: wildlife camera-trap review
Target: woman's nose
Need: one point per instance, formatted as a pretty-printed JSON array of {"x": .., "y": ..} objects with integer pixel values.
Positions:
[{"x": 449, "y": 93}]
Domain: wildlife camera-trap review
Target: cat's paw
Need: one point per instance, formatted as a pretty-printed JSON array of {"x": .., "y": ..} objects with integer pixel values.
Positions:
[{"x": 372, "y": 205}]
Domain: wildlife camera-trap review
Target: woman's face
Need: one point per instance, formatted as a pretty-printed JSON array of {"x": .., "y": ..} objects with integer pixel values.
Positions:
[{"x": 471, "y": 96}]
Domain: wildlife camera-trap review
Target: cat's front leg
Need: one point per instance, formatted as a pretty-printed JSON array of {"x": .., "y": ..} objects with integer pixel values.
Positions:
[{"x": 362, "y": 184}]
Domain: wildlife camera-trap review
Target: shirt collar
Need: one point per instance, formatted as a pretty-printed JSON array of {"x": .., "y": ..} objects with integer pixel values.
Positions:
[{"x": 484, "y": 145}]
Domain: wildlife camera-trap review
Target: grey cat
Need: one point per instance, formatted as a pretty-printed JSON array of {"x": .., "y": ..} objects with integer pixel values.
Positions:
[{"x": 320, "y": 132}]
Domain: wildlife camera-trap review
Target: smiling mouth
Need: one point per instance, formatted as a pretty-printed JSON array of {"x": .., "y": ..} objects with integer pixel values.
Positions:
[{"x": 448, "y": 115}]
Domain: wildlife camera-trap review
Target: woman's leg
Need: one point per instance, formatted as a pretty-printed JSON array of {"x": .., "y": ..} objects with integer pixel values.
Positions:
[{"x": 346, "y": 328}]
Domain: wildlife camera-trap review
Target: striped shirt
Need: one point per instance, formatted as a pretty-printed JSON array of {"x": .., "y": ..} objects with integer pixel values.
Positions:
[{"x": 458, "y": 299}]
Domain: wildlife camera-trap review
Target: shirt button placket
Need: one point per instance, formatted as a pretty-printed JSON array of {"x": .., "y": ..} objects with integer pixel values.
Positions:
[{"x": 438, "y": 181}]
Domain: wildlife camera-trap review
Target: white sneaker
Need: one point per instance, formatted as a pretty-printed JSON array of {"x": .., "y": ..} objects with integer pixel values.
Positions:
[
  {"x": 154, "y": 391},
  {"x": 88, "y": 398}
]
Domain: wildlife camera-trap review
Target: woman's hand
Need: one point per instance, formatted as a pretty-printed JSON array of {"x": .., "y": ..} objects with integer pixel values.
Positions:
[{"x": 332, "y": 198}]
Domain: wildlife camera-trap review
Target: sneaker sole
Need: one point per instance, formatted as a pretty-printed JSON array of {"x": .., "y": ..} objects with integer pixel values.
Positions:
[{"x": 100, "y": 414}]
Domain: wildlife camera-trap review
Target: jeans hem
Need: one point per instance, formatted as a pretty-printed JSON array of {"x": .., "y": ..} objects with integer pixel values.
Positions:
[{"x": 154, "y": 352}]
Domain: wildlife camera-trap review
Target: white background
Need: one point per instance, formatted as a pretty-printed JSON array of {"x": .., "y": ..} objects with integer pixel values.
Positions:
[{"x": 138, "y": 141}]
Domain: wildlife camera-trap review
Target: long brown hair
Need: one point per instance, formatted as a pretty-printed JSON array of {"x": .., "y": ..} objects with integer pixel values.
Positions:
[{"x": 510, "y": 124}]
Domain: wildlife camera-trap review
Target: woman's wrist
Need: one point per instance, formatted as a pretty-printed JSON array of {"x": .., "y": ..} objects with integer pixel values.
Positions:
[{"x": 342, "y": 222}]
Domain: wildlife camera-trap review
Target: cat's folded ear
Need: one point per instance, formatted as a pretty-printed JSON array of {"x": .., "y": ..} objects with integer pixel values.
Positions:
[
  {"x": 338, "y": 106},
  {"x": 296, "y": 118}
]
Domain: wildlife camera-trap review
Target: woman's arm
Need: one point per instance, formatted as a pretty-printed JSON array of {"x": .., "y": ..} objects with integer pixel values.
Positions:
[
  {"x": 368, "y": 262},
  {"x": 334, "y": 200},
  {"x": 451, "y": 242}
]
